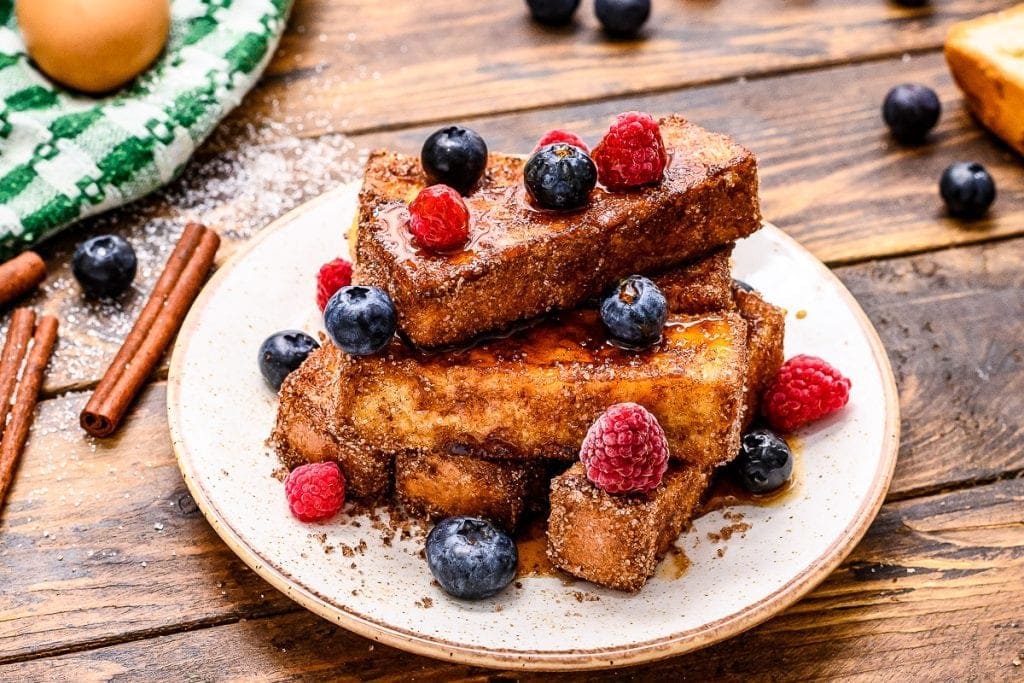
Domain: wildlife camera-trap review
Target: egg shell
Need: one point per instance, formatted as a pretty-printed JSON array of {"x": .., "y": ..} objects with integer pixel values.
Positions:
[{"x": 94, "y": 46}]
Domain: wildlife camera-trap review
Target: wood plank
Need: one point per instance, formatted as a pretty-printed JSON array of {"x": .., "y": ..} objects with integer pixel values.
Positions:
[
  {"x": 961, "y": 402},
  {"x": 361, "y": 65},
  {"x": 932, "y": 593},
  {"x": 830, "y": 176},
  {"x": 952, "y": 324},
  {"x": 101, "y": 538}
]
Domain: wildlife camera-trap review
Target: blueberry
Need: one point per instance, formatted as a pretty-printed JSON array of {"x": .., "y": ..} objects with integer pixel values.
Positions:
[
  {"x": 560, "y": 177},
  {"x": 740, "y": 284},
  {"x": 553, "y": 12},
  {"x": 283, "y": 352},
  {"x": 764, "y": 462},
  {"x": 360, "y": 320},
  {"x": 471, "y": 558},
  {"x": 455, "y": 156},
  {"x": 622, "y": 17},
  {"x": 104, "y": 266},
  {"x": 636, "y": 311},
  {"x": 911, "y": 110},
  {"x": 968, "y": 189}
]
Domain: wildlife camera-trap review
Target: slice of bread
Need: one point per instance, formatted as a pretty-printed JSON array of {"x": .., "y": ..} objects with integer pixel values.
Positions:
[
  {"x": 986, "y": 56},
  {"x": 521, "y": 262}
]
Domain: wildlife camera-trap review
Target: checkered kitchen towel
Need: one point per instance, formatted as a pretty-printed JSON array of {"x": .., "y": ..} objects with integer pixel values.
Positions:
[{"x": 65, "y": 156}]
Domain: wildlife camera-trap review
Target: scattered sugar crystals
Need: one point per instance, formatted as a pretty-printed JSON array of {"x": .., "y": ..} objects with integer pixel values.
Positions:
[{"x": 242, "y": 179}]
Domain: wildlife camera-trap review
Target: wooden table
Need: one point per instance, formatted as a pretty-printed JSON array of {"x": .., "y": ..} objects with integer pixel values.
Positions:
[{"x": 107, "y": 567}]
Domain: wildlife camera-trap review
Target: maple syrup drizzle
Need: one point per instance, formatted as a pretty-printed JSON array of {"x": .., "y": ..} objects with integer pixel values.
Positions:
[
  {"x": 532, "y": 542},
  {"x": 726, "y": 492}
]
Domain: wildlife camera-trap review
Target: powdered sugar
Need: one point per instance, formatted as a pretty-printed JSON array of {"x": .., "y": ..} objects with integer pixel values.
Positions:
[{"x": 240, "y": 181}]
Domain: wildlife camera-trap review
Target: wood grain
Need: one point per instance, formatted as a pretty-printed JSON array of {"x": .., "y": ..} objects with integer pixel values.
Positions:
[
  {"x": 830, "y": 175},
  {"x": 926, "y": 596},
  {"x": 961, "y": 401},
  {"x": 350, "y": 66},
  {"x": 101, "y": 539}
]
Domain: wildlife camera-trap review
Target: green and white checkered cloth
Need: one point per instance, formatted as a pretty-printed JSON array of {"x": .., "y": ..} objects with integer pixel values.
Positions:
[{"x": 65, "y": 156}]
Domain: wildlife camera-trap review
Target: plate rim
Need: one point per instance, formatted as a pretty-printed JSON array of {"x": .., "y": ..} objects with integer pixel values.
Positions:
[{"x": 554, "y": 660}]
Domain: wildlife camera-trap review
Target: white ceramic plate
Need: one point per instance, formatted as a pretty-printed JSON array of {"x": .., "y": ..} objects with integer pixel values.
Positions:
[{"x": 221, "y": 413}]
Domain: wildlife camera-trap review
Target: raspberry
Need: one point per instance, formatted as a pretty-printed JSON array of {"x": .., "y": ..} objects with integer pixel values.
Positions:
[
  {"x": 632, "y": 153},
  {"x": 558, "y": 135},
  {"x": 625, "y": 450},
  {"x": 315, "y": 491},
  {"x": 439, "y": 219},
  {"x": 332, "y": 276},
  {"x": 805, "y": 389}
]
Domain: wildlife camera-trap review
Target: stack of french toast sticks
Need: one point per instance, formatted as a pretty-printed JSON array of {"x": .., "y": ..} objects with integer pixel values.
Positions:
[{"x": 479, "y": 406}]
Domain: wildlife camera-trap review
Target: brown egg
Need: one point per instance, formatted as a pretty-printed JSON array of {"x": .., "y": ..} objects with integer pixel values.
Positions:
[{"x": 94, "y": 45}]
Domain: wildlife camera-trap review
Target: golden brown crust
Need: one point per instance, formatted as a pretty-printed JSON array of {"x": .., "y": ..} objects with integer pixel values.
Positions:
[
  {"x": 986, "y": 58},
  {"x": 766, "y": 330},
  {"x": 617, "y": 540},
  {"x": 521, "y": 263},
  {"x": 303, "y": 433},
  {"x": 702, "y": 286},
  {"x": 443, "y": 485},
  {"x": 532, "y": 395}
]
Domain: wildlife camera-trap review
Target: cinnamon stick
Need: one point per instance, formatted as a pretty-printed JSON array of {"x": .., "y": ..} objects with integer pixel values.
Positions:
[
  {"x": 23, "y": 321},
  {"x": 20, "y": 275},
  {"x": 23, "y": 412},
  {"x": 152, "y": 333}
]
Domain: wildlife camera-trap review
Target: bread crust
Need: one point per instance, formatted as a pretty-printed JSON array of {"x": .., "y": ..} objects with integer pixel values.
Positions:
[
  {"x": 766, "y": 331},
  {"x": 437, "y": 485},
  {"x": 521, "y": 262}
]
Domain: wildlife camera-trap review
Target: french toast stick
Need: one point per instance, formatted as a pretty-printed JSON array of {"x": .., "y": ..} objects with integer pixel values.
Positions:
[
  {"x": 437, "y": 485},
  {"x": 303, "y": 433},
  {"x": 443, "y": 485},
  {"x": 616, "y": 540},
  {"x": 766, "y": 329},
  {"x": 521, "y": 262}
]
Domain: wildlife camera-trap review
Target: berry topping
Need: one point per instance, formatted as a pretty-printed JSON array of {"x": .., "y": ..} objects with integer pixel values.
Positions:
[
  {"x": 911, "y": 110},
  {"x": 360, "y": 320},
  {"x": 740, "y": 284},
  {"x": 622, "y": 17},
  {"x": 805, "y": 389},
  {"x": 470, "y": 557},
  {"x": 104, "y": 266},
  {"x": 636, "y": 312},
  {"x": 283, "y": 352},
  {"x": 625, "y": 450},
  {"x": 632, "y": 153},
  {"x": 332, "y": 276},
  {"x": 553, "y": 12},
  {"x": 967, "y": 189},
  {"x": 439, "y": 219},
  {"x": 764, "y": 462},
  {"x": 315, "y": 491},
  {"x": 558, "y": 135},
  {"x": 455, "y": 156},
  {"x": 560, "y": 177}
]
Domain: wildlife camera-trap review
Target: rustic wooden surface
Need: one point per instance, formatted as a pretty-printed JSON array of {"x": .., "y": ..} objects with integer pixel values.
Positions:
[{"x": 108, "y": 570}]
